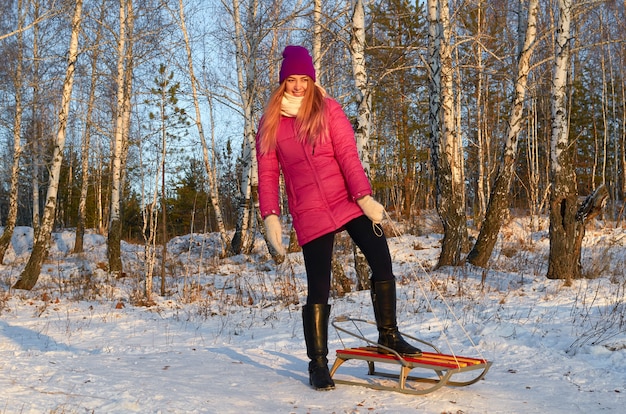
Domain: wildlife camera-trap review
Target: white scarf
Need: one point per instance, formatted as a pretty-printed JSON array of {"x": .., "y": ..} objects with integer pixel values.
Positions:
[{"x": 290, "y": 105}]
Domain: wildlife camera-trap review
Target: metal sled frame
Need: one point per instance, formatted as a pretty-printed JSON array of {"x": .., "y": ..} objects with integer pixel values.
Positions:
[{"x": 444, "y": 366}]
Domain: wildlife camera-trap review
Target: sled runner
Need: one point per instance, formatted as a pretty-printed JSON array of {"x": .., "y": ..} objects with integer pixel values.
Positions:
[{"x": 442, "y": 367}]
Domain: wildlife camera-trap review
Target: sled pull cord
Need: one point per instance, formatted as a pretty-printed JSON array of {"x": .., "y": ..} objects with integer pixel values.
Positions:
[
  {"x": 456, "y": 319},
  {"x": 431, "y": 307},
  {"x": 356, "y": 327}
]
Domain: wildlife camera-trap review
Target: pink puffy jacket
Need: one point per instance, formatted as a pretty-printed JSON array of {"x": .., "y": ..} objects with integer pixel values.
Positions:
[{"x": 322, "y": 183}]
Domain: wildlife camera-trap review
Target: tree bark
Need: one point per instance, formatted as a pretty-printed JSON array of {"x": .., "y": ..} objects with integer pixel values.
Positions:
[
  {"x": 359, "y": 72},
  {"x": 35, "y": 144},
  {"x": 500, "y": 196},
  {"x": 363, "y": 121},
  {"x": 564, "y": 259},
  {"x": 86, "y": 144},
  {"x": 124, "y": 66},
  {"x": 445, "y": 139},
  {"x": 317, "y": 37},
  {"x": 7, "y": 234},
  {"x": 246, "y": 71},
  {"x": 30, "y": 274},
  {"x": 482, "y": 179},
  {"x": 211, "y": 176}
]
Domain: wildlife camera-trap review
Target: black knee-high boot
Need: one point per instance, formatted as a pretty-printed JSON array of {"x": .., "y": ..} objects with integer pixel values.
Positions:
[
  {"x": 315, "y": 321},
  {"x": 384, "y": 301}
]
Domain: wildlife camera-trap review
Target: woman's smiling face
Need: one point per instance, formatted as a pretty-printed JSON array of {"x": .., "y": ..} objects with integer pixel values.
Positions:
[{"x": 296, "y": 85}]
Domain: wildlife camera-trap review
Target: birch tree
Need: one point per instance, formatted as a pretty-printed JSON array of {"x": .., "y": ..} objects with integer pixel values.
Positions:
[
  {"x": 213, "y": 184},
  {"x": 246, "y": 72},
  {"x": 363, "y": 121},
  {"x": 120, "y": 134},
  {"x": 564, "y": 260},
  {"x": 500, "y": 195},
  {"x": 30, "y": 274},
  {"x": 363, "y": 97},
  {"x": 7, "y": 234},
  {"x": 482, "y": 179},
  {"x": 86, "y": 137},
  {"x": 445, "y": 139},
  {"x": 317, "y": 36},
  {"x": 35, "y": 142}
]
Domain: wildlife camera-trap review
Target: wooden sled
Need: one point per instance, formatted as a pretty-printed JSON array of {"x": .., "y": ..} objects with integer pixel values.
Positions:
[{"x": 441, "y": 367}]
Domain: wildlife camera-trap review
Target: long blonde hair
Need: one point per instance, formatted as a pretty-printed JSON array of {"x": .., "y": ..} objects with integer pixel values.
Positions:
[{"x": 311, "y": 122}]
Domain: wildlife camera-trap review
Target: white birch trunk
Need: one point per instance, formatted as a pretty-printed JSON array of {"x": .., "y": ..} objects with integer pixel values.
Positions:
[
  {"x": 481, "y": 179},
  {"x": 214, "y": 188},
  {"x": 563, "y": 261},
  {"x": 86, "y": 142},
  {"x": 532, "y": 163},
  {"x": 452, "y": 146},
  {"x": 30, "y": 274},
  {"x": 363, "y": 121},
  {"x": 317, "y": 38},
  {"x": 500, "y": 196},
  {"x": 434, "y": 102},
  {"x": 359, "y": 71},
  {"x": 7, "y": 234},
  {"x": 560, "y": 128},
  {"x": 35, "y": 143},
  {"x": 445, "y": 138},
  {"x": 243, "y": 238},
  {"x": 99, "y": 195},
  {"x": 119, "y": 136}
]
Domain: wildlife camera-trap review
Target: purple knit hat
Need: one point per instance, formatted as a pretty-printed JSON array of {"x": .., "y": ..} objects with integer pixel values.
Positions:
[{"x": 296, "y": 61}]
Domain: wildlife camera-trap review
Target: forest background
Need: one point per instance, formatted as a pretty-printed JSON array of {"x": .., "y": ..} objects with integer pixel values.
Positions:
[{"x": 136, "y": 119}]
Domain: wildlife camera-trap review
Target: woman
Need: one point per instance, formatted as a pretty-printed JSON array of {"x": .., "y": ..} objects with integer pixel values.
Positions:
[{"x": 307, "y": 135}]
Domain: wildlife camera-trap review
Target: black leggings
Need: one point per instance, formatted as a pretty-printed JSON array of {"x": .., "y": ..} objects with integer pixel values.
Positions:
[{"x": 318, "y": 256}]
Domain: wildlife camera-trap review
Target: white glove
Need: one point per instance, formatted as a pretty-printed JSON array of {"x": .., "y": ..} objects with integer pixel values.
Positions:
[
  {"x": 274, "y": 233},
  {"x": 372, "y": 209}
]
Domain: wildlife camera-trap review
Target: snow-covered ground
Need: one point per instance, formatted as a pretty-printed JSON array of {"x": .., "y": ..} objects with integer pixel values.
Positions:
[{"x": 227, "y": 338}]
